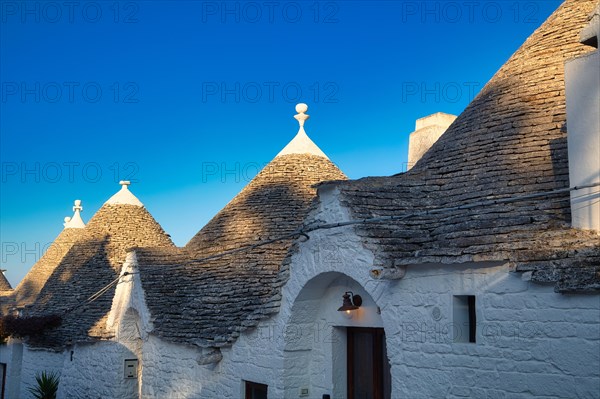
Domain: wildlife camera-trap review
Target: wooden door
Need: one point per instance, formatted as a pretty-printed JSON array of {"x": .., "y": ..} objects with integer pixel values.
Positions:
[{"x": 368, "y": 366}]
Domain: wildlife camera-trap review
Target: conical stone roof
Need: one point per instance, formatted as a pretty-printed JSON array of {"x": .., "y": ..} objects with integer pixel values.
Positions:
[
  {"x": 218, "y": 298},
  {"x": 90, "y": 264},
  {"x": 33, "y": 282},
  {"x": 275, "y": 202},
  {"x": 510, "y": 141},
  {"x": 29, "y": 288},
  {"x": 4, "y": 284}
]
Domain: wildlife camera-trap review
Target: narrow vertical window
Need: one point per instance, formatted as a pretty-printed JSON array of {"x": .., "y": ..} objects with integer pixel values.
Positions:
[
  {"x": 465, "y": 319},
  {"x": 472, "y": 318}
]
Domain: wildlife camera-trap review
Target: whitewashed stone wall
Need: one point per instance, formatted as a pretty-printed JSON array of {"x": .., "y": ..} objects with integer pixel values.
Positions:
[
  {"x": 31, "y": 365},
  {"x": 23, "y": 365},
  {"x": 531, "y": 342},
  {"x": 86, "y": 371},
  {"x": 96, "y": 371},
  {"x": 582, "y": 82},
  {"x": 172, "y": 371},
  {"x": 11, "y": 354}
]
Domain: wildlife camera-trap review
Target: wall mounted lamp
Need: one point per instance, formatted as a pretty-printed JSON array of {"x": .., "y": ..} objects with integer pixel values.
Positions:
[{"x": 350, "y": 302}]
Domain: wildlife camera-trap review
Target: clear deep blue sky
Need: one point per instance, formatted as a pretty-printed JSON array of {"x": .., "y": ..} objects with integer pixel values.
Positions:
[{"x": 188, "y": 99}]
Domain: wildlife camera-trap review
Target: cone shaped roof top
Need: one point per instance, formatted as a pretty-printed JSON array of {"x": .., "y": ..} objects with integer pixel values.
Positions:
[
  {"x": 510, "y": 141},
  {"x": 29, "y": 288},
  {"x": 132, "y": 224},
  {"x": 302, "y": 144},
  {"x": 93, "y": 255},
  {"x": 275, "y": 202},
  {"x": 124, "y": 196},
  {"x": 277, "y": 198},
  {"x": 4, "y": 284}
]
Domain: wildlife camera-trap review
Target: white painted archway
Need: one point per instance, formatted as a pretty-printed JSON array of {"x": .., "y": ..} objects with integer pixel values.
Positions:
[{"x": 315, "y": 335}]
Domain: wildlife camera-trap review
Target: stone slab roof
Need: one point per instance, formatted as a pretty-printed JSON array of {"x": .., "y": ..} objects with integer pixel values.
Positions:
[
  {"x": 93, "y": 262},
  {"x": 275, "y": 202},
  {"x": 214, "y": 300},
  {"x": 510, "y": 141},
  {"x": 4, "y": 284},
  {"x": 29, "y": 288}
]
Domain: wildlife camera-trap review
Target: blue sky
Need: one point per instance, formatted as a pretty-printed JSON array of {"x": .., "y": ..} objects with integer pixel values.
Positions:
[{"x": 189, "y": 99}]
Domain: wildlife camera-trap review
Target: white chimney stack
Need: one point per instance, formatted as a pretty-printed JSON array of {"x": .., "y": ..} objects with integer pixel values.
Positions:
[
  {"x": 582, "y": 81},
  {"x": 427, "y": 131}
]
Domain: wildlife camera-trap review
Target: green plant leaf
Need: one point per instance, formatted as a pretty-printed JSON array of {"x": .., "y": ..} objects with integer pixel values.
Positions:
[{"x": 47, "y": 385}]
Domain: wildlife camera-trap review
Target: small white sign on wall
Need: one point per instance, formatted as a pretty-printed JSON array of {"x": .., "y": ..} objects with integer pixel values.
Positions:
[{"x": 131, "y": 366}]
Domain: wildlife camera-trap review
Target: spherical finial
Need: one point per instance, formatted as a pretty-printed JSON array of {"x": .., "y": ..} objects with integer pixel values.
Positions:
[
  {"x": 301, "y": 108},
  {"x": 67, "y": 219},
  {"x": 77, "y": 202},
  {"x": 301, "y": 117}
]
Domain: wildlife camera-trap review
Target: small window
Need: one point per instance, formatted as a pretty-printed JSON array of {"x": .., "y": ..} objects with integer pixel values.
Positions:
[
  {"x": 254, "y": 390},
  {"x": 465, "y": 318}
]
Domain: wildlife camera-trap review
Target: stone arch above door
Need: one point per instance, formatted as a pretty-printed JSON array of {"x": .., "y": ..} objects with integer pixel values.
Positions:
[{"x": 315, "y": 334}]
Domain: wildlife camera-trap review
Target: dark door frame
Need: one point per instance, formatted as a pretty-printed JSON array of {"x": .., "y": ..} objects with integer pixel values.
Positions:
[{"x": 3, "y": 367}]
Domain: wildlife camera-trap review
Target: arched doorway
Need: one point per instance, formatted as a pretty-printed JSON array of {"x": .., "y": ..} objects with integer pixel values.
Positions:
[{"x": 331, "y": 352}]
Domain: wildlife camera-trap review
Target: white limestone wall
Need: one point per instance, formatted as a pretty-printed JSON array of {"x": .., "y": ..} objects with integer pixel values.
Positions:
[
  {"x": 86, "y": 371},
  {"x": 172, "y": 371},
  {"x": 257, "y": 358},
  {"x": 96, "y": 371},
  {"x": 11, "y": 354},
  {"x": 530, "y": 340},
  {"x": 33, "y": 363},
  {"x": 294, "y": 349},
  {"x": 582, "y": 82},
  {"x": 261, "y": 354}
]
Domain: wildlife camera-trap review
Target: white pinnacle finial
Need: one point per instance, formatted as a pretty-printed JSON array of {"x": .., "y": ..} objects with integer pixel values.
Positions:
[
  {"x": 124, "y": 196},
  {"x": 301, "y": 144},
  {"x": 77, "y": 206},
  {"x": 301, "y": 115},
  {"x": 75, "y": 222}
]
